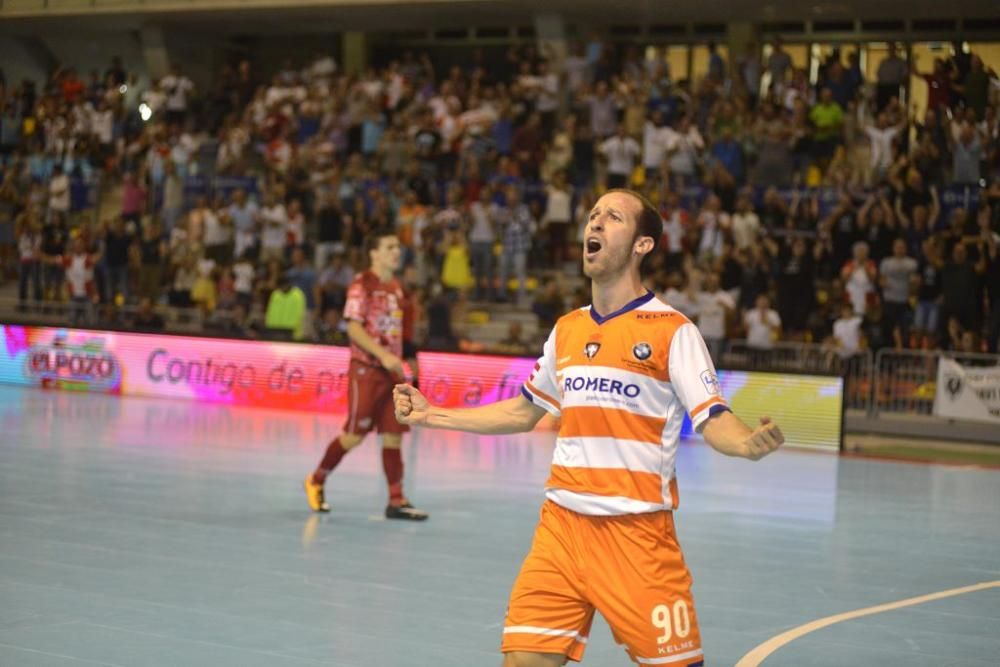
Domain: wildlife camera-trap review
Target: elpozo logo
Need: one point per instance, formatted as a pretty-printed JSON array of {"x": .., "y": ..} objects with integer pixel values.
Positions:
[{"x": 82, "y": 366}]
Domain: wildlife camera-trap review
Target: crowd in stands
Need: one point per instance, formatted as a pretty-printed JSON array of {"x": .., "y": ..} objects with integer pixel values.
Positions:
[{"x": 797, "y": 211}]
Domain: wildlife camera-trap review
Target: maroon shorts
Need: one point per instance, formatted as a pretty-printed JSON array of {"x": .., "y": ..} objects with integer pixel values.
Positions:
[{"x": 369, "y": 401}]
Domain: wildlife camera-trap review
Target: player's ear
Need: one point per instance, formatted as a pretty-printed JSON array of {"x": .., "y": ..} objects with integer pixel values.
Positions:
[{"x": 643, "y": 245}]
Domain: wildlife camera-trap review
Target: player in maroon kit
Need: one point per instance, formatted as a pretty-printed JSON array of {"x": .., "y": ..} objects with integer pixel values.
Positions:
[{"x": 374, "y": 312}]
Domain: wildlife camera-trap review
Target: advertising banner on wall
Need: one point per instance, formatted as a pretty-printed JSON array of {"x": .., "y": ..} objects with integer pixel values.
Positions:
[
  {"x": 236, "y": 372},
  {"x": 809, "y": 408},
  {"x": 967, "y": 392}
]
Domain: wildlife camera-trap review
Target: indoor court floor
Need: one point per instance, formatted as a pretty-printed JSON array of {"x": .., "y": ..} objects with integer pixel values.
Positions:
[{"x": 157, "y": 532}]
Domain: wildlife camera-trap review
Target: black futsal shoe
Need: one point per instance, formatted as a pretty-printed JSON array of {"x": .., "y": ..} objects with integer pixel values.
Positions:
[{"x": 406, "y": 512}]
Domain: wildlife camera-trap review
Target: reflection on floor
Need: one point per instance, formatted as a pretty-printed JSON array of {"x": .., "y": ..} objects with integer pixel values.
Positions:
[{"x": 152, "y": 532}]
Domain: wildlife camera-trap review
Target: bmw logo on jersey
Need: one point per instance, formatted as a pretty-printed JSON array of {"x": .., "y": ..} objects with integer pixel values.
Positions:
[{"x": 642, "y": 351}]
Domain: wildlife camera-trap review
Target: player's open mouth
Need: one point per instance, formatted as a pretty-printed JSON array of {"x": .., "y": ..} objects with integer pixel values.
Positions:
[{"x": 592, "y": 247}]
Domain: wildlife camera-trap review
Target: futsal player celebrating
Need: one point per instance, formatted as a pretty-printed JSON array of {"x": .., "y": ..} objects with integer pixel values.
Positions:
[
  {"x": 374, "y": 312},
  {"x": 620, "y": 374}
]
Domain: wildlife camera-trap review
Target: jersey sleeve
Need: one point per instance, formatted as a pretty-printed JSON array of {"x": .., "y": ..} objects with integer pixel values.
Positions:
[
  {"x": 693, "y": 376},
  {"x": 542, "y": 387},
  {"x": 357, "y": 301}
]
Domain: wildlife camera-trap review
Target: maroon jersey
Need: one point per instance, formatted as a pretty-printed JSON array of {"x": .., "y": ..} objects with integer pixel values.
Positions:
[{"x": 378, "y": 306}]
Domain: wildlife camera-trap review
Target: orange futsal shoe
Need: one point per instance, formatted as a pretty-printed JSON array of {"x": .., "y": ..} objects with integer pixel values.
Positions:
[{"x": 314, "y": 495}]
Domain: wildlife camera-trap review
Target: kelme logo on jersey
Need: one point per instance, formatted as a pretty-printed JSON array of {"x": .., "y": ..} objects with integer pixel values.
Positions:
[
  {"x": 642, "y": 351},
  {"x": 591, "y": 349},
  {"x": 601, "y": 386}
]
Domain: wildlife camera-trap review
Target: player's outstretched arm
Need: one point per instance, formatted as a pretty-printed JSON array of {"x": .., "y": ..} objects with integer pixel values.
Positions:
[
  {"x": 514, "y": 415},
  {"x": 727, "y": 433}
]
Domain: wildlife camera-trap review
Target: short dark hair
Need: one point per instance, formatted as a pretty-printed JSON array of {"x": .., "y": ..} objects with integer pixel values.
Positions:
[
  {"x": 375, "y": 237},
  {"x": 648, "y": 223}
]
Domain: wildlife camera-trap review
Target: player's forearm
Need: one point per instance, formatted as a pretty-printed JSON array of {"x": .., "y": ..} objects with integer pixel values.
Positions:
[
  {"x": 514, "y": 415},
  {"x": 356, "y": 332},
  {"x": 727, "y": 434}
]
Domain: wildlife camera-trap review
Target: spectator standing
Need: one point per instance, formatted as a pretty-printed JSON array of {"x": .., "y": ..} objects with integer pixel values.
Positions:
[
  {"x": 518, "y": 227},
  {"x": 558, "y": 217},
  {"x": 959, "y": 288},
  {"x": 133, "y": 200},
  {"x": 303, "y": 276},
  {"x": 286, "y": 311},
  {"x": 847, "y": 333},
  {"x": 891, "y": 76},
  {"x": 859, "y": 275},
  {"x": 763, "y": 325},
  {"x": 117, "y": 241},
  {"x": 59, "y": 193},
  {"x": 621, "y": 151},
  {"x": 29, "y": 250},
  {"x": 896, "y": 274},
  {"x": 178, "y": 88},
  {"x": 482, "y": 239},
  {"x": 274, "y": 229},
  {"x": 153, "y": 255},
  {"x": 79, "y": 267},
  {"x": 714, "y": 306}
]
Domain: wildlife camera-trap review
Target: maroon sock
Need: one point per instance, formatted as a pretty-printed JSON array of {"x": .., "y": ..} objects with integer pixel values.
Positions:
[
  {"x": 392, "y": 463},
  {"x": 334, "y": 452}
]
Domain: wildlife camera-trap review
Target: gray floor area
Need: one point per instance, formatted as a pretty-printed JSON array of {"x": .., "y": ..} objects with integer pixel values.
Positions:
[{"x": 155, "y": 532}]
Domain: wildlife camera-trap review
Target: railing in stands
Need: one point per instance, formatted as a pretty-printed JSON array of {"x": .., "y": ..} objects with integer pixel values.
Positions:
[{"x": 905, "y": 380}]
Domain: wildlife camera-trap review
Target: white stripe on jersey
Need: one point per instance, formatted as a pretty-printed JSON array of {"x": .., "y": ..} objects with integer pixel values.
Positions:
[
  {"x": 595, "y": 505},
  {"x": 611, "y": 453},
  {"x": 550, "y": 632}
]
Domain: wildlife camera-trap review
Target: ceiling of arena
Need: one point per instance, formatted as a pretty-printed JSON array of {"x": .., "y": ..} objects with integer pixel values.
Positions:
[{"x": 333, "y": 15}]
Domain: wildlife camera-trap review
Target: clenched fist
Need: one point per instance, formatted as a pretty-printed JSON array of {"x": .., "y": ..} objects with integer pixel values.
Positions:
[
  {"x": 765, "y": 439},
  {"x": 411, "y": 406}
]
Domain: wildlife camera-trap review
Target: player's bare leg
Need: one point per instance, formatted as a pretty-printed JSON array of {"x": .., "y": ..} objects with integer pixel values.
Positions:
[
  {"x": 525, "y": 659},
  {"x": 314, "y": 482},
  {"x": 392, "y": 462}
]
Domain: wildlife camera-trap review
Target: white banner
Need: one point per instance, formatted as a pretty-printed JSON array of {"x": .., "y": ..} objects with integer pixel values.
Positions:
[{"x": 967, "y": 392}]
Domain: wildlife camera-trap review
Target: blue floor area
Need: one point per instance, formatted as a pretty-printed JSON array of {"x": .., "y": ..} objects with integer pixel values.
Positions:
[{"x": 155, "y": 532}]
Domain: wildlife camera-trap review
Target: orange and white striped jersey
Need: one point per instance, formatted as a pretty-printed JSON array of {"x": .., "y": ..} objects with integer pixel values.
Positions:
[{"x": 621, "y": 384}]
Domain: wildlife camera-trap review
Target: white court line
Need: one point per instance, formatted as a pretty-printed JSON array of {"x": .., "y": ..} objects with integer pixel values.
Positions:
[{"x": 760, "y": 653}]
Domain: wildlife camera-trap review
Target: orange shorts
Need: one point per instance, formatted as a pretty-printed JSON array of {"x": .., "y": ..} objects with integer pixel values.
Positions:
[{"x": 629, "y": 568}]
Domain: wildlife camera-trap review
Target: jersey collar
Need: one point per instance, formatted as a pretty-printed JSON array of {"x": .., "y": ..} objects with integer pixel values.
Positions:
[{"x": 631, "y": 305}]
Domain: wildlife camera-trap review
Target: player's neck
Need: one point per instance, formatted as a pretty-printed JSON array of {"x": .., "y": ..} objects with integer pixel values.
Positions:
[
  {"x": 611, "y": 297},
  {"x": 385, "y": 275}
]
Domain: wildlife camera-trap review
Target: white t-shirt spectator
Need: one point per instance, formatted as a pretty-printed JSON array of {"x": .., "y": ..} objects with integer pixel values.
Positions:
[
  {"x": 548, "y": 93},
  {"x": 654, "y": 145},
  {"x": 682, "y": 301},
  {"x": 713, "y": 225},
  {"x": 881, "y": 146},
  {"x": 215, "y": 232},
  {"x": 177, "y": 89},
  {"x": 102, "y": 125},
  {"x": 746, "y": 227},
  {"x": 79, "y": 274},
  {"x": 274, "y": 220},
  {"x": 557, "y": 205},
  {"x": 59, "y": 193},
  {"x": 712, "y": 308},
  {"x": 847, "y": 333},
  {"x": 621, "y": 154},
  {"x": 243, "y": 273},
  {"x": 760, "y": 327},
  {"x": 673, "y": 228}
]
